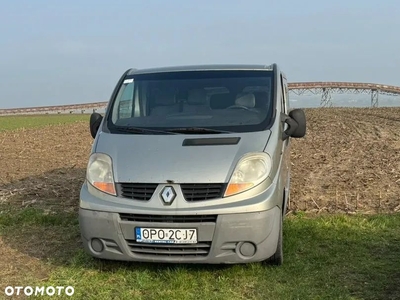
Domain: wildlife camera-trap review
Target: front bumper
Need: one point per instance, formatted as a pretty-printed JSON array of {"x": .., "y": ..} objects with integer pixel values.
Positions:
[{"x": 223, "y": 238}]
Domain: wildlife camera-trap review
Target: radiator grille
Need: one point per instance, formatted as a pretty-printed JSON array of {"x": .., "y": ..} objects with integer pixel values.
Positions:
[
  {"x": 168, "y": 219},
  {"x": 191, "y": 191},
  {"x": 202, "y": 191},
  {"x": 170, "y": 250},
  {"x": 137, "y": 191}
]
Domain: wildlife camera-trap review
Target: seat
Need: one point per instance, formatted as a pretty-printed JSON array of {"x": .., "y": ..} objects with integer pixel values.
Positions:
[
  {"x": 262, "y": 100},
  {"x": 247, "y": 100},
  {"x": 196, "y": 102},
  {"x": 165, "y": 103}
]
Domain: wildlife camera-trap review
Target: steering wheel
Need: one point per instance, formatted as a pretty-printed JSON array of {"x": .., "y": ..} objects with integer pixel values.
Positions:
[{"x": 239, "y": 106}]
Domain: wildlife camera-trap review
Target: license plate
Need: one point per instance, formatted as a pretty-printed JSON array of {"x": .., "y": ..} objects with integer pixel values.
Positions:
[{"x": 166, "y": 236}]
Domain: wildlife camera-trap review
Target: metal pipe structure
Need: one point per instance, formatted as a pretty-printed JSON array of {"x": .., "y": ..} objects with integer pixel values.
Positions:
[
  {"x": 326, "y": 88},
  {"x": 70, "y": 108}
]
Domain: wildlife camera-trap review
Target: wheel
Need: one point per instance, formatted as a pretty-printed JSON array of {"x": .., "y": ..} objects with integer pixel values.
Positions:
[
  {"x": 287, "y": 205},
  {"x": 277, "y": 258}
]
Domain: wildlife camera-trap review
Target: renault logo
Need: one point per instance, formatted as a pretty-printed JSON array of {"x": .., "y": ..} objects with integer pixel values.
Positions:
[{"x": 168, "y": 195}]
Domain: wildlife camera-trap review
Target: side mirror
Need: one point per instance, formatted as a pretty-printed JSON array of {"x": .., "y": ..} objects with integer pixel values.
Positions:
[
  {"x": 95, "y": 121},
  {"x": 297, "y": 124}
]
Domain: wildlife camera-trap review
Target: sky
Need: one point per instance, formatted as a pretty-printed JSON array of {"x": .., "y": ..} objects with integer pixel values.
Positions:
[{"x": 66, "y": 52}]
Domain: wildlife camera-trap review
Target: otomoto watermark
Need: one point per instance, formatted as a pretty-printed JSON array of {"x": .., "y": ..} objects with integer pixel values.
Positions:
[{"x": 39, "y": 291}]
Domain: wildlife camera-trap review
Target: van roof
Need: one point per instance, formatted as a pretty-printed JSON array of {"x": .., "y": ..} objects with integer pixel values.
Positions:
[{"x": 219, "y": 67}]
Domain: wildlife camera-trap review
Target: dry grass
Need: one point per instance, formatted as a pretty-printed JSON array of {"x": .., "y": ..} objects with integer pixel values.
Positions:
[{"x": 18, "y": 266}]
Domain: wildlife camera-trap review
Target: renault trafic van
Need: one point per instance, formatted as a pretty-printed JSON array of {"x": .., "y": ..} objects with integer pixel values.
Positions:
[{"x": 190, "y": 164}]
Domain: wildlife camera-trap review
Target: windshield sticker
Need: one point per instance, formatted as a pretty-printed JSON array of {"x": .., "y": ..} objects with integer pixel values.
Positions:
[{"x": 128, "y": 81}]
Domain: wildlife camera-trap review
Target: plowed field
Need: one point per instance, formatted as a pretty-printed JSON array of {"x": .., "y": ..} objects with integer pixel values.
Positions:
[{"x": 349, "y": 161}]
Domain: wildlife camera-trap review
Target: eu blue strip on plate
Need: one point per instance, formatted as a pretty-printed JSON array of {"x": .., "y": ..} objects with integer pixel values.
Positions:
[{"x": 138, "y": 234}]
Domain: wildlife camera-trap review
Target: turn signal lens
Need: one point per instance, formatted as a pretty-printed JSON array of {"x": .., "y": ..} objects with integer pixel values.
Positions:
[
  {"x": 235, "y": 188},
  {"x": 105, "y": 187}
]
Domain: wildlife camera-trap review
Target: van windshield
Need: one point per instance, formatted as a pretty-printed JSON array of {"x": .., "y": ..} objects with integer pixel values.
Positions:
[{"x": 212, "y": 101}]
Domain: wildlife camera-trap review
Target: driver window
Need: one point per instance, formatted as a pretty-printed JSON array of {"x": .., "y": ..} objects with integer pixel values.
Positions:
[
  {"x": 284, "y": 95},
  {"x": 125, "y": 105}
]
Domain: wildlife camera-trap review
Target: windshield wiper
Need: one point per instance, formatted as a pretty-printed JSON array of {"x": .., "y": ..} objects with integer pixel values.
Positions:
[
  {"x": 195, "y": 130},
  {"x": 140, "y": 130}
]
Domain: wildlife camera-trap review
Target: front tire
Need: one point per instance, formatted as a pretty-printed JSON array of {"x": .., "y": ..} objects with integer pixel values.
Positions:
[{"x": 277, "y": 258}]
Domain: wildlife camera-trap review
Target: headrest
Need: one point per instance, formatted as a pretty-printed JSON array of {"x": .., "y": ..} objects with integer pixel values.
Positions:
[
  {"x": 164, "y": 97},
  {"x": 247, "y": 100},
  {"x": 197, "y": 97}
]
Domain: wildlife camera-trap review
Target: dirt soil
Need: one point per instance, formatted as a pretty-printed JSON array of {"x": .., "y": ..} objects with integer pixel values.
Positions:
[{"x": 349, "y": 161}]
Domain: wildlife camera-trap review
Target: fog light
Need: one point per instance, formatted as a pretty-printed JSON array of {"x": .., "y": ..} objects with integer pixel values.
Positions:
[
  {"x": 247, "y": 249},
  {"x": 97, "y": 245}
]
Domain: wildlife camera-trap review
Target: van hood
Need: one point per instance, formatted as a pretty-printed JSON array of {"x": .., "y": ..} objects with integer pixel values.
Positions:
[{"x": 179, "y": 158}]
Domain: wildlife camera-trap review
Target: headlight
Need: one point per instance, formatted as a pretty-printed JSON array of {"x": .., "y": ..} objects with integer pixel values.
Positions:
[
  {"x": 250, "y": 171},
  {"x": 99, "y": 173}
]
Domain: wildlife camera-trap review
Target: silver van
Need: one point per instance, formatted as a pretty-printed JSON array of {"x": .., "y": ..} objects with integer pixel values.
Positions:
[{"x": 191, "y": 164}]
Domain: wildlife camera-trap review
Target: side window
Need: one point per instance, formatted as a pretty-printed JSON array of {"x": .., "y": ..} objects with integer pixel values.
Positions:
[
  {"x": 126, "y": 102},
  {"x": 284, "y": 95},
  {"x": 287, "y": 102},
  {"x": 284, "y": 103}
]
